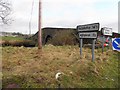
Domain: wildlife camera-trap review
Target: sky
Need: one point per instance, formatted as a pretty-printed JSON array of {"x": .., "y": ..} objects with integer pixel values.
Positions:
[{"x": 62, "y": 13}]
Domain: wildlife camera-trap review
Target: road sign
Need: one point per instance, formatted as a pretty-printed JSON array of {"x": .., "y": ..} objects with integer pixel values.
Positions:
[
  {"x": 116, "y": 44},
  {"x": 88, "y": 27},
  {"x": 107, "y": 31},
  {"x": 88, "y": 35},
  {"x": 88, "y": 31}
]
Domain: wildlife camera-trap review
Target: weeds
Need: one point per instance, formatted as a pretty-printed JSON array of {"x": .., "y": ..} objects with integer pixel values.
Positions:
[{"x": 28, "y": 68}]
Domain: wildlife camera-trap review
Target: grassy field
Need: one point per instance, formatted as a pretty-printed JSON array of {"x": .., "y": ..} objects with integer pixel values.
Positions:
[
  {"x": 10, "y": 38},
  {"x": 30, "y": 68}
]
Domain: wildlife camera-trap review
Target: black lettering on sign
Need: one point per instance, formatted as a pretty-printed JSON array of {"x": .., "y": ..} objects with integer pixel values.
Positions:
[
  {"x": 85, "y": 27},
  {"x": 93, "y": 26},
  {"x": 94, "y": 34}
]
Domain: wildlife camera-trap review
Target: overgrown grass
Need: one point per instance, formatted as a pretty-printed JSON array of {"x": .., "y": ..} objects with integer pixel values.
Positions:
[{"x": 30, "y": 68}]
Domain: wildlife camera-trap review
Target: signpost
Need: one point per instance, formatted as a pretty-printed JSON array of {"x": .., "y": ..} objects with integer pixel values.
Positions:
[
  {"x": 88, "y": 35},
  {"x": 105, "y": 32},
  {"x": 88, "y": 27},
  {"x": 116, "y": 44},
  {"x": 88, "y": 31},
  {"x": 102, "y": 43},
  {"x": 93, "y": 48},
  {"x": 81, "y": 43}
]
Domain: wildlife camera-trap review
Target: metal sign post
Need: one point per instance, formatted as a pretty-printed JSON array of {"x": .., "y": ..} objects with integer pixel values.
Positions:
[
  {"x": 106, "y": 32},
  {"x": 93, "y": 48},
  {"x": 81, "y": 43},
  {"x": 102, "y": 44},
  {"x": 108, "y": 45}
]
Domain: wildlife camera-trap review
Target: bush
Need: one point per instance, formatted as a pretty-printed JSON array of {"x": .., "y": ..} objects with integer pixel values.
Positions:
[
  {"x": 25, "y": 43},
  {"x": 65, "y": 37},
  {"x": 16, "y": 43},
  {"x": 29, "y": 43},
  {"x": 5, "y": 43}
]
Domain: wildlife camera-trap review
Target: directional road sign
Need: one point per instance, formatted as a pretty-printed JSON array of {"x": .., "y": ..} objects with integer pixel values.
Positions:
[
  {"x": 88, "y": 31},
  {"x": 107, "y": 31},
  {"x": 116, "y": 44},
  {"x": 88, "y": 35},
  {"x": 88, "y": 27}
]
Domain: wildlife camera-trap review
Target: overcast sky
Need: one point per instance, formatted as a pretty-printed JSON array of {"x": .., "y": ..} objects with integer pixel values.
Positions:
[{"x": 63, "y": 13}]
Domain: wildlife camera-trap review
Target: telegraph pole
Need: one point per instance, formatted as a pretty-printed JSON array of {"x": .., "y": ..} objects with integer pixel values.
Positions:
[{"x": 39, "y": 27}]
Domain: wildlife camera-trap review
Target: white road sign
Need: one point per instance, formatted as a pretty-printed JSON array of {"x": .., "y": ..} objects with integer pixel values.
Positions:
[
  {"x": 88, "y": 35},
  {"x": 107, "y": 31},
  {"x": 88, "y": 27}
]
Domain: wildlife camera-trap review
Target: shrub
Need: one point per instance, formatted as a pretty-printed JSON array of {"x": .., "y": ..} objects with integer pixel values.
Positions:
[
  {"x": 16, "y": 43},
  {"x": 65, "y": 37},
  {"x": 5, "y": 43},
  {"x": 25, "y": 43},
  {"x": 29, "y": 43}
]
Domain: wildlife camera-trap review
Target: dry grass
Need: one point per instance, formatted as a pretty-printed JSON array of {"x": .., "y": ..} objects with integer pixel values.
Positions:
[{"x": 27, "y": 67}]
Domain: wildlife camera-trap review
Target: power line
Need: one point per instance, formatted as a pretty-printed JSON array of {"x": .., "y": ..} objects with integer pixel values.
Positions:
[{"x": 31, "y": 17}]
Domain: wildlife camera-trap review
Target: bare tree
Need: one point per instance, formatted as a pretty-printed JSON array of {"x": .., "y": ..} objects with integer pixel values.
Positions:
[{"x": 5, "y": 11}]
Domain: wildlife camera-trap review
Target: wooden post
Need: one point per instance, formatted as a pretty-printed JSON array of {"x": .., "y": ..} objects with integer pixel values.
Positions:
[{"x": 39, "y": 28}]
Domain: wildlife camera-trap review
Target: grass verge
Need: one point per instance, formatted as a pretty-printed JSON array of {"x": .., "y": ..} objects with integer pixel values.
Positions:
[{"x": 29, "y": 68}]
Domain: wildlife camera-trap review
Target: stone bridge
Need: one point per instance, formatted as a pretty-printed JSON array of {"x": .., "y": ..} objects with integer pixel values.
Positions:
[{"x": 48, "y": 33}]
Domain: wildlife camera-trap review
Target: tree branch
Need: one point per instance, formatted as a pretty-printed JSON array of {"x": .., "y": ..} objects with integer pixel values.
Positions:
[{"x": 5, "y": 11}]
